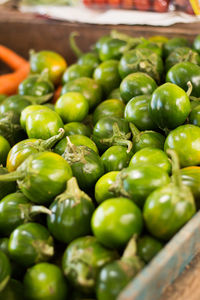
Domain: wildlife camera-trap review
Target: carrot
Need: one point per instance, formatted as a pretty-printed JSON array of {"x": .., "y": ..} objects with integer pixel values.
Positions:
[
  {"x": 9, "y": 82},
  {"x": 57, "y": 94},
  {"x": 11, "y": 58}
]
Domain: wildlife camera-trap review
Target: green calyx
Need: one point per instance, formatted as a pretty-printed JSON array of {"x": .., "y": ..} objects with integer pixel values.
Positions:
[
  {"x": 44, "y": 249},
  {"x": 130, "y": 262},
  {"x": 117, "y": 187},
  {"x": 74, "y": 153},
  {"x": 73, "y": 192},
  {"x": 146, "y": 64},
  {"x": 118, "y": 138}
]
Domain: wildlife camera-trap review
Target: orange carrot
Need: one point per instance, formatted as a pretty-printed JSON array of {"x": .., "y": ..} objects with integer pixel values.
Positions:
[
  {"x": 11, "y": 58},
  {"x": 57, "y": 94},
  {"x": 9, "y": 82}
]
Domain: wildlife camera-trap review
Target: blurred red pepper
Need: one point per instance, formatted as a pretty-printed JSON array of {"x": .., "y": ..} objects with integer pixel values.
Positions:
[
  {"x": 160, "y": 5},
  {"x": 142, "y": 4}
]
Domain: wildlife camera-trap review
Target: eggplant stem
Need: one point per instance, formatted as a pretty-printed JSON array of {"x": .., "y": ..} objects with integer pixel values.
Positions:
[
  {"x": 39, "y": 209},
  {"x": 73, "y": 44},
  {"x": 13, "y": 176},
  {"x": 135, "y": 132},
  {"x": 190, "y": 87},
  {"x": 49, "y": 143},
  {"x": 176, "y": 175},
  {"x": 131, "y": 248}
]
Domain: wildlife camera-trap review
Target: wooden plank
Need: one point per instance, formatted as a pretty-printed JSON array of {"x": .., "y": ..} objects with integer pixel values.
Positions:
[
  {"x": 167, "y": 265},
  {"x": 186, "y": 286}
]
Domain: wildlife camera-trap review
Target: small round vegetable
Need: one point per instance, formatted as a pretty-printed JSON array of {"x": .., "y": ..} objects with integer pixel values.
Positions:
[
  {"x": 45, "y": 281},
  {"x": 115, "y": 276},
  {"x": 115, "y": 94},
  {"x": 137, "y": 112},
  {"x": 41, "y": 177},
  {"x": 120, "y": 213},
  {"x": 43, "y": 124},
  {"x": 182, "y": 54},
  {"x": 148, "y": 247},
  {"x": 116, "y": 158},
  {"x": 102, "y": 186},
  {"x": 174, "y": 43},
  {"x": 185, "y": 141},
  {"x": 14, "y": 103},
  {"x": 136, "y": 84},
  {"x": 89, "y": 59},
  {"x": 168, "y": 208},
  {"x": 141, "y": 60},
  {"x": 110, "y": 107},
  {"x": 169, "y": 106},
  {"x": 73, "y": 128},
  {"x": 82, "y": 261},
  {"x": 14, "y": 290},
  {"x": 50, "y": 60},
  {"x": 19, "y": 209},
  {"x": 107, "y": 75},
  {"x": 111, "y": 131},
  {"x": 20, "y": 151},
  {"x": 30, "y": 243},
  {"x": 152, "y": 46},
  {"x": 28, "y": 110},
  {"x": 36, "y": 85},
  {"x": 181, "y": 73},
  {"x": 5, "y": 270},
  {"x": 71, "y": 214},
  {"x": 153, "y": 156},
  {"x": 85, "y": 163},
  {"x": 72, "y": 107},
  {"x": 88, "y": 87},
  {"x": 76, "y": 71},
  {"x": 111, "y": 48},
  {"x": 138, "y": 181}
]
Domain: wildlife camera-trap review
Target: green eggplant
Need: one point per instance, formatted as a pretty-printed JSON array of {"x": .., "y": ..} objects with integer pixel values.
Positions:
[
  {"x": 169, "y": 207},
  {"x": 41, "y": 177},
  {"x": 70, "y": 215},
  {"x": 20, "y": 151},
  {"x": 45, "y": 281},
  {"x": 16, "y": 209},
  {"x": 85, "y": 163},
  {"x": 30, "y": 243},
  {"x": 82, "y": 261}
]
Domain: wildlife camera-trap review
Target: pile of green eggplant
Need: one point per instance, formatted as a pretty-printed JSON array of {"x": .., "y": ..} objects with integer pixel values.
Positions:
[{"x": 94, "y": 184}]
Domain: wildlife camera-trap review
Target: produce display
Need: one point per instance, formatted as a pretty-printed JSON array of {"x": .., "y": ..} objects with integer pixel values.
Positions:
[{"x": 99, "y": 164}]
